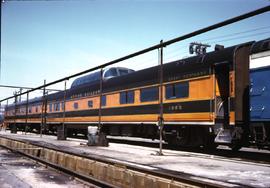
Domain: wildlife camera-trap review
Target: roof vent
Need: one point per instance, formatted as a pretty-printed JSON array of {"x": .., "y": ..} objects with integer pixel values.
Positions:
[{"x": 219, "y": 47}]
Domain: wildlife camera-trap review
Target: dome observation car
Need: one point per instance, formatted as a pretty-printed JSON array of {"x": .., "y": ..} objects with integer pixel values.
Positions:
[{"x": 107, "y": 74}]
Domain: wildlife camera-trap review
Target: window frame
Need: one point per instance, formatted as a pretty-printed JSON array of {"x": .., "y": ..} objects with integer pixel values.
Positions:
[
  {"x": 62, "y": 105},
  {"x": 153, "y": 98},
  {"x": 50, "y": 107},
  {"x": 75, "y": 105},
  {"x": 56, "y": 106},
  {"x": 103, "y": 100},
  {"x": 90, "y": 102},
  {"x": 174, "y": 90},
  {"x": 125, "y": 97}
]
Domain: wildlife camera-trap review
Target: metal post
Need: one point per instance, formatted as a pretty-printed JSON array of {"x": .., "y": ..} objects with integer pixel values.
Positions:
[
  {"x": 15, "y": 105},
  {"x": 26, "y": 113},
  {"x": 6, "y": 114},
  {"x": 20, "y": 99},
  {"x": 100, "y": 99},
  {"x": 20, "y": 106},
  {"x": 43, "y": 103},
  {"x": 1, "y": 113},
  {"x": 64, "y": 112},
  {"x": 45, "y": 110},
  {"x": 7, "y": 104},
  {"x": 14, "y": 127},
  {"x": 160, "y": 119}
]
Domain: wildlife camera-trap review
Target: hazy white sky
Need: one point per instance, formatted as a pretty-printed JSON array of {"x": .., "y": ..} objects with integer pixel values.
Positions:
[{"x": 53, "y": 39}]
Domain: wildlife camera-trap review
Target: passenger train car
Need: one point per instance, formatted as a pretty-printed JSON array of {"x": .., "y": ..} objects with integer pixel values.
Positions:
[
  {"x": 260, "y": 96},
  {"x": 205, "y": 101}
]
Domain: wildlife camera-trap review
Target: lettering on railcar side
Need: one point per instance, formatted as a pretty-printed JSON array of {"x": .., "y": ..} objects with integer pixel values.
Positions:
[
  {"x": 187, "y": 75},
  {"x": 86, "y": 94}
]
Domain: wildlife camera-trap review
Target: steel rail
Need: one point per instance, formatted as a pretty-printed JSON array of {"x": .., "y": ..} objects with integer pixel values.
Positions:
[{"x": 157, "y": 46}]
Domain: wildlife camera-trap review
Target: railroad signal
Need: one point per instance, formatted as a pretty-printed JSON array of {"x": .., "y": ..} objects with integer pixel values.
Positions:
[{"x": 198, "y": 48}]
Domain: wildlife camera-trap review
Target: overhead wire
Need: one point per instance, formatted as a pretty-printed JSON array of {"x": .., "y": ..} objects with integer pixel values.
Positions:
[
  {"x": 177, "y": 52},
  {"x": 168, "y": 57}
]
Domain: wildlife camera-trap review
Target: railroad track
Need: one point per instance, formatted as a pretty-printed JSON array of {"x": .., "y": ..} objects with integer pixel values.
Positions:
[
  {"x": 17, "y": 170},
  {"x": 40, "y": 151},
  {"x": 89, "y": 179}
]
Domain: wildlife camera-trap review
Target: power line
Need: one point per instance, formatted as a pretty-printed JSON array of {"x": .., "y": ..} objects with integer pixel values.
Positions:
[
  {"x": 224, "y": 36},
  {"x": 220, "y": 37},
  {"x": 21, "y": 87},
  {"x": 174, "y": 53},
  {"x": 237, "y": 33},
  {"x": 235, "y": 38}
]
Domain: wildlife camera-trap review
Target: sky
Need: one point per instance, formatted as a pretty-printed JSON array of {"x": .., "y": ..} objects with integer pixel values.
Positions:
[{"x": 54, "y": 39}]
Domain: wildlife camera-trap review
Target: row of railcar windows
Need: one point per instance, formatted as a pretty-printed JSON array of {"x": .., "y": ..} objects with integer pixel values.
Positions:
[
  {"x": 172, "y": 91},
  {"x": 56, "y": 106}
]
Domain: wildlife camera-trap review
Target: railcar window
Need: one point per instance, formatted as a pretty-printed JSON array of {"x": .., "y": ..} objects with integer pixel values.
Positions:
[
  {"x": 76, "y": 105},
  {"x": 179, "y": 90},
  {"x": 110, "y": 73},
  {"x": 127, "y": 97},
  {"x": 122, "y": 72},
  {"x": 90, "y": 104},
  {"x": 36, "y": 108},
  {"x": 149, "y": 94},
  {"x": 50, "y": 107},
  {"x": 30, "y": 109},
  {"x": 56, "y": 106},
  {"x": 103, "y": 100},
  {"x": 62, "y": 106}
]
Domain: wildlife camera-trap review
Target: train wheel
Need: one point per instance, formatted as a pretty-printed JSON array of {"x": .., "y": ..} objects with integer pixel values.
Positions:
[
  {"x": 235, "y": 146},
  {"x": 210, "y": 144},
  {"x": 237, "y": 139}
]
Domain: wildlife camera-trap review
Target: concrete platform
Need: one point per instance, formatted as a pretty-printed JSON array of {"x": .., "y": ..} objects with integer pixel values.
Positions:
[{"x": 226, "y": 171}]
